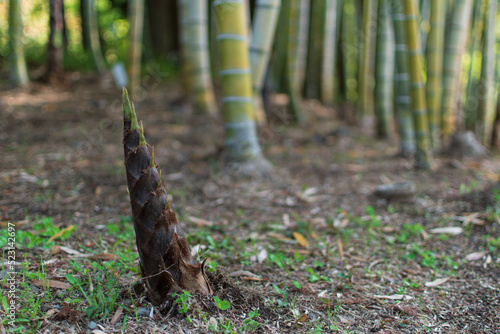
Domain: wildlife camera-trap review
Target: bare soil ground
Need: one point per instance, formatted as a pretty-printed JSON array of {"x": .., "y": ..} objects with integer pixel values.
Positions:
[{"x": 312, "y": 249}]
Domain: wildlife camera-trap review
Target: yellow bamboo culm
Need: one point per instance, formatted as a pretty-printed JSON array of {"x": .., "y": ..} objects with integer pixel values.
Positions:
[
  {"x": 487, "y": 101},
  {"x": 454, "y": 45},
  {"x": 366, "y": 110},
  {"x": 419, "y": 107},
  {"x": 263, "y": 31},
  {"x": 434, "y": 55},
  {"x": 197, "y": 79}
]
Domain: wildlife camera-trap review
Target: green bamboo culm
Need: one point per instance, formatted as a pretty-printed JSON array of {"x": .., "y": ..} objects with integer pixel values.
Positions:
[
  {"x": 366, "y": 80},
  {"x": 487, "y": 84},
  {"x": 425, "y": 13},
  {"x": 136, "y": 19},
  {"x": 315, "y": 49},
  {"x": 277, "y": 65},
  {"x": 434, "y": 55},
  {"x": 193, "y": 24},
  {"x": 470, "y": 105},
  {"x": 419, "y": 108},
  {"x": 241, "y": 144},
  {"x": 89, "y": 12},
  {"x": 329, "y": 53},
  {"x": 263, "y": 31},
  {"x": 350, "y": 51},
  {"x": 17, "y": 62},
  {"x": 292, "y": 75},
  {"x": 454, "y": 45},
  {"x": 402, "y": 83},
  {"x": 384, "y": 72}
]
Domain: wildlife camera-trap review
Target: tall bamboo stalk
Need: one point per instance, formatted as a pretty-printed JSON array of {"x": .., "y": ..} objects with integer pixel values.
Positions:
[
  {"x": 292, "y": 73},
  {"x": 419, "y": 108},
  {"x": 425, "y": 12},
  {"x": 136, "y": 19},
  {"x": 194, "y": 22},
  {"x": 487, "y": 85},
  {"x": 338, "y": 77},
  {"x": 242, "y": 147},
  {"x": 17, "y": 62},
  {"x": 366, "y": 67},
  {"x": 277, "y": 68},
  {"x": 471, "y": 103},
  {"x": 55, "y": 54},
  {"x": 92, "y": 31},
  {"x": 305, "y": 16},
  {"x": 315, "y": 50},
  {"x": 264, "y": 29},
  {"x": 434, "y": 56},
  {"x": 329, "y": 53},
  {"x": 454, "y": 48},
  {"x": 384, "y": 72},
  {"x": 350, "y": 50},
  {"x": 402, "y": 83}
]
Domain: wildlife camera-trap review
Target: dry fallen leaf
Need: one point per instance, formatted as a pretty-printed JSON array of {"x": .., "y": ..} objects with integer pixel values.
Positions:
[
  {"x": 200, "y": 221},
  {"x": 280, "y": 237},
  {"x": 393, "y": 297},
  {"x": 116, "y": 316},
  {"x": 470, "y": 218},
  {"x": 50, "y": 313},
  {"x": 105, "y": 257},
  {"x": 300, "y": 239},
  {"x": 54, "y": 250},
  {"x": 475, "y": 256},
  {"x": 447, "y": 230},
  {"x": 60, "y": 233},
  {"x": 51, "y": 284},
  {"x": 303, "y": 318},
  {"x": 244, "y": 273},
  {"x": 45, "y": 263},
  {"x": 341, "y": 247},
  {"x": 70, "y": 251},
  {"x": 437, "y": 282},
  {"x": 98, "y": 331}
]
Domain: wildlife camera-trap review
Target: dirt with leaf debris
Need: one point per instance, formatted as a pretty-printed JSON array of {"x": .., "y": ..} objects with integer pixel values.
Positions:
[{"x": 311, "y": 250}]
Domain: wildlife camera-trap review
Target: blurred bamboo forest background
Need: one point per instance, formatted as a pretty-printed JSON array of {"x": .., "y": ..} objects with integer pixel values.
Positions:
[{"x": 423, "y": 71}]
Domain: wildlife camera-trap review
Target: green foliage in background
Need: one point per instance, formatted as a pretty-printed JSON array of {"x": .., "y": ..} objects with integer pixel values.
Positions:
[{"x": 113, "y": 29}]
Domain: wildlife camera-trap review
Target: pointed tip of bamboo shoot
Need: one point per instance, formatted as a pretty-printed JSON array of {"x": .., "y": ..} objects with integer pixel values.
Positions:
[
  {"x": 134, "y": 124},
  {"x": 142, "y": 139},
  {"x": 167, "y": 207},
  {"x": 126, "y": 106},
  {"x": 152, "y": 160}
]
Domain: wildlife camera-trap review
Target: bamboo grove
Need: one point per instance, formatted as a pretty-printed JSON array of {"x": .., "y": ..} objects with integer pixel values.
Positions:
[{"x": 422, "y": 71}]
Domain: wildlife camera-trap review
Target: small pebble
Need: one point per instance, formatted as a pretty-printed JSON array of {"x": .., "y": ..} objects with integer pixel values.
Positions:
[
  {"x": 142, "y": 312},
  {"x": 57, "y": 307},
  {"x": 127, "y": 302},
  {"x": 92, "y": 325}
]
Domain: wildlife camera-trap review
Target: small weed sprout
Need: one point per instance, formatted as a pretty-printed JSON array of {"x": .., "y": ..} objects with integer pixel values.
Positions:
[
  {"x": 221, "y": 304},
  {"x": 184, "y": 301},
  {"x": 249, "y": 324}
]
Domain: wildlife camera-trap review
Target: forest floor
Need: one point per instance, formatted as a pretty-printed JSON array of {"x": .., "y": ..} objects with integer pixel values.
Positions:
[{"x": 311, "y": 250}]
